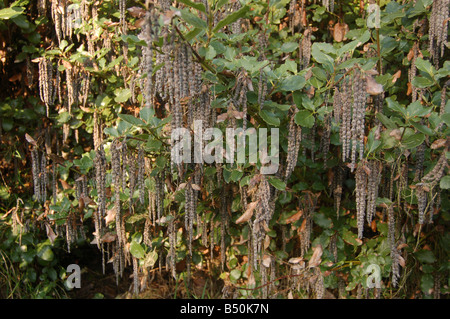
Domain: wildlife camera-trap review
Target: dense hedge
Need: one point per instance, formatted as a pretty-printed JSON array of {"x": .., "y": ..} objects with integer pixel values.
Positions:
[{"x": 357, "y": 207}]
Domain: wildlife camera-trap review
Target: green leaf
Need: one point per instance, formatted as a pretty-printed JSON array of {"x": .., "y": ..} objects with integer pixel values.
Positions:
[
  {"x": 423, "y": 129},
  {"x": 289, "y": 47},
  {"x": 147, "y": 114},
  {"x": 413, "y": 140},
  {"x": 305, "y": 118},
  {"x": 231, "y": 18},
  {"x": 321, "y": 220},
  {"x": 372, "y": 143},
  {"x": 235, "y": 274},
  {"x": 425, "y": 256},
  {"x": 425, "y": 66},
  {"x": 131, "y": 119},
  {"x": 192, "y": 19},
  {"x": 351, "y": 238},
  {"x": 11, "y": 12},
  {"x": 395, "y": 106},
  {"x": 44, "y": 251},
  {"x": 446, "y": 118},
  {"x": 269, "y": 117},
  {"x": 277, "y": 183},
  {"x": 161, "y": 161},
  {"x": 445, "y": 182},
  {"x": 421, "y": 82},
  {"x": 199, "y": 6},
  {"x": 293, "y": 83},
  {"x": 151, "y": 258},
  {"x": 111, "y": 131},
  {"x": 386, "y": 121},
  {"x": 236, "y": 175},
  {"x": 153, "y": 145},
  {"x": 7, "y": 123},
  {"x": 122, "y": 95},
  {"x": 137, "y": 250},
  {"x": 416, "y": 109}
]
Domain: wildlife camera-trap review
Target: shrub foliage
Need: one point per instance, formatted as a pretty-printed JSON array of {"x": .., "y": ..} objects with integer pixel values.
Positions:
[{"x": 357, "y": 89}]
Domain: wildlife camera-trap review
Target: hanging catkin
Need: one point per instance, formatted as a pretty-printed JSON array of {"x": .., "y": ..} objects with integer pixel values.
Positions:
[
  {"x": 373, "y": 181},
  {"x": 345, "y": 127},
  {"x": 294, "y": 141},
  {"x": 43, "y": 177},
  {"x": 45, "y": 82},
  {"x": 361, "y": 194},
  {"x": 35, "y": 171},
  {"x": 393, "y": 246},
  {"x": 358, "y": 113},
  {"x": 141, "y": 174},
  {"x": 437, "y": 32}
]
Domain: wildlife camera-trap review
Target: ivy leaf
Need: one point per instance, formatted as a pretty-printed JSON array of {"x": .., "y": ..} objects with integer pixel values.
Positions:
[{"x": 305, "y": 118}]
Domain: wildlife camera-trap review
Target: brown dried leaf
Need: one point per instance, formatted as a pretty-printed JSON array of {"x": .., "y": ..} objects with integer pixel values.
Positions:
[
  {"x": 316, "y": 257},
  {"x": 396, "y": 76},
  {"x": 67, "y": 64},
  {"x": 137, "y": 12},
  {"x": 15, "y": 77},
  {"x": 266, "y": 261},
  {"x": 266, "y": 241},
  {"x": 108, "y": 238},
  {"x": 373, "y": 87},
  {"x": 295, "y": 260},
  {"x": 438, "y": 143},
  {"x": 30, "y": 140},
  {"x": 139, "y": 23},
  {"x": 50, "y": 233},
  {"x": 248, "y": 213},
  {"x": 65, "y": 185},
  {"x": 222, "y": 117},
  {"x": 410, "y": 54},
  {"x": 401, "y": 261},
  {"x": 339, "y": 31},
  {"x": 409, "y": 89},
  {"x": 110, "y": 216},
  {"x": 294, "y": 217},
  {"x": 196, "y": 187},
  {"x": 396, "y": 133}
]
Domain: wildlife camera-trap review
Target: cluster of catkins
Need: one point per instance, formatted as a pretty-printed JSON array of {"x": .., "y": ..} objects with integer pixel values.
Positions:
[
  {"x": 437, "y": 32},
  {"x": 428, "y": 190},
  {"x": 368, "y": 178},
  {"x": 349, "y": 109}
]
